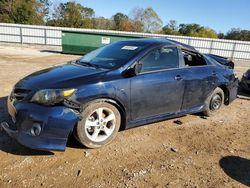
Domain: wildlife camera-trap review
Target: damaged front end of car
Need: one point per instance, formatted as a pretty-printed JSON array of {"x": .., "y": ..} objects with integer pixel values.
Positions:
[{"x": 43, "y": 120}]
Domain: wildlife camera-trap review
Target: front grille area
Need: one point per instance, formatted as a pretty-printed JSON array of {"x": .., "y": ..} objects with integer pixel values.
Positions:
[{"x": 20, "y": 94}]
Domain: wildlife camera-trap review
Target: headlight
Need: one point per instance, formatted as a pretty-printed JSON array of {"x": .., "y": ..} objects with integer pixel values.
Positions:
[{"x": 52, "y": 96}]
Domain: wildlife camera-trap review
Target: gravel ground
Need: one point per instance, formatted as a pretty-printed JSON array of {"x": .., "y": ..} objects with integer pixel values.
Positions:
[{"x": 201, "y": 152}]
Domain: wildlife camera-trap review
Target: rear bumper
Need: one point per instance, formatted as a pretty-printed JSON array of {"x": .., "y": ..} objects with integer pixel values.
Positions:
[{"x": 56, "y": 124}]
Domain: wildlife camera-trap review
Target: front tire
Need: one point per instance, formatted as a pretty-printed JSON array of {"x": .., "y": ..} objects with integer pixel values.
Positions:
[
  {"x": 99, "y": 125},
  {"x": 214, "y": 102}
]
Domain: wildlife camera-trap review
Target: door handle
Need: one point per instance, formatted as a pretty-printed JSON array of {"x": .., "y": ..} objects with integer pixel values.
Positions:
[
  {"x": 214, "y": 73},
  {"x": 178, "y": 77}
]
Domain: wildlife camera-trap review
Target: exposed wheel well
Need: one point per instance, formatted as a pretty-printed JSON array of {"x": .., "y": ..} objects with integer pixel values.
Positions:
[{"x": 226, "y": 94}]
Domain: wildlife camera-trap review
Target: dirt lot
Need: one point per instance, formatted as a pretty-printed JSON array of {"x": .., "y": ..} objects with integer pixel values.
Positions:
[{"x": 212, "y": 152}]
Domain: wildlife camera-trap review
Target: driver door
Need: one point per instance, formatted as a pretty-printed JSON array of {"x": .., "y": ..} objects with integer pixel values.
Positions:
[{"x": 158, "y": 88}]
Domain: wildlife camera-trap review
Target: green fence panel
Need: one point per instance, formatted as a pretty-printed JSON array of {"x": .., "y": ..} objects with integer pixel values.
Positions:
[{"x": 83, "y": 42}]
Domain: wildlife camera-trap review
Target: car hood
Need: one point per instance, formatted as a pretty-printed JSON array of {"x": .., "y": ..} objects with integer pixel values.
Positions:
[{"x": 60, "y": 76}]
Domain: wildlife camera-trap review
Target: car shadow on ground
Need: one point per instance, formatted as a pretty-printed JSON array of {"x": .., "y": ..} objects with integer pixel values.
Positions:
[
  {"x": 52, "y": 51},
  {"x": 237, "y": 168},
  {"x": 8, "y": 144}
]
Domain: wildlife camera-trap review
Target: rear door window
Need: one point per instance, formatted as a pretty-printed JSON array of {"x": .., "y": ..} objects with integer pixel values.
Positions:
[{"x": 193, "y": 59}]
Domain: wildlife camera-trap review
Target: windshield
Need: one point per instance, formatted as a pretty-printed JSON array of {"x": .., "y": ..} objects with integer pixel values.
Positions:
[{"x": 114, "y": 55}]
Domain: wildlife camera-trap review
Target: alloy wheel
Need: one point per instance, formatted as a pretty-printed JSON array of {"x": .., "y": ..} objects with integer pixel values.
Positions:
[
  {"x": 100, "y": 124},
  {"x": 216, "y": 102}
]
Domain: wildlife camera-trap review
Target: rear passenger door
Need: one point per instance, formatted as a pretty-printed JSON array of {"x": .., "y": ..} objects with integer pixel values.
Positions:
[
  {"x": 158, "y": 88},
  {"x": 199, "y": 80}
]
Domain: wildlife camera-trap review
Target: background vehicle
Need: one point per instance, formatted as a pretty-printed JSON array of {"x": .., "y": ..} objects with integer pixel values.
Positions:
[
  {"x": 245, "y": 81},
  {"x": 119, "y": 86}
]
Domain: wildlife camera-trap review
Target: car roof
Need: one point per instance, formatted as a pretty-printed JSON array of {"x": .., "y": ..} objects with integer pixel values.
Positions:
[{"x": 161, "y": 41}]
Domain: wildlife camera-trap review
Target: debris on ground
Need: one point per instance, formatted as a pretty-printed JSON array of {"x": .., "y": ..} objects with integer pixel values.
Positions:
[
  {"x": 86, "y": 153},
  {"x": 79, "y": 173},
  {"x": 174, "y": 150},
  {"x": 178, "y": 122}
]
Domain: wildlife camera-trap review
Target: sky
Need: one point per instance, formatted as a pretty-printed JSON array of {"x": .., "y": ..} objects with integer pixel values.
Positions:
[{"x": 220, "y": 15}]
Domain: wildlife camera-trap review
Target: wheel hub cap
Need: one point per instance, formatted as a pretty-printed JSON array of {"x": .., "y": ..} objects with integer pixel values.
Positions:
[
  {"x": 216, "y": 102},
  {"x": 100, "y": 124}
]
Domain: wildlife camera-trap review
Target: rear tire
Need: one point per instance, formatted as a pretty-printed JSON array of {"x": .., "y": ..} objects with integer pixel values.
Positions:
[
  {"x": 214, "y": 102},
  {"x": 99, "y": 125}
]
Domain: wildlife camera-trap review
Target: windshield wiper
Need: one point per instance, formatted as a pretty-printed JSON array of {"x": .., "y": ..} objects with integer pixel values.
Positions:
[{"x": 88, "y": 64}]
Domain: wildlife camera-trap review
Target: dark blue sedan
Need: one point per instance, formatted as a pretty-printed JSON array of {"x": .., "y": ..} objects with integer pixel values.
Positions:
[{"x": 118, "y": 86}]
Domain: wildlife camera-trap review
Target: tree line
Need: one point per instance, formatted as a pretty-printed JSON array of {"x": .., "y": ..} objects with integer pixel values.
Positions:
[{"x": 73, "y": 14}]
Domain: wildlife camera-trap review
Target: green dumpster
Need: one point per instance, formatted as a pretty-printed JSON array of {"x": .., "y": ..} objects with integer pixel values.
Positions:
[{"x": 74, "y": 42}]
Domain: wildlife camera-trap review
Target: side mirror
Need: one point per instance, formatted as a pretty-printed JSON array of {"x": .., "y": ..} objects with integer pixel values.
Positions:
[{"x": 132, "y": 71}]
